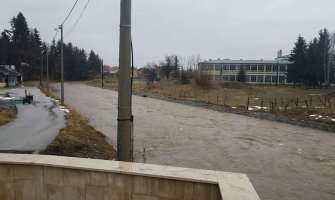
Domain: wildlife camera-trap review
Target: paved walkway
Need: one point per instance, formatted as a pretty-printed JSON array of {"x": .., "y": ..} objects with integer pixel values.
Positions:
[{"x": 36, "y": 125}]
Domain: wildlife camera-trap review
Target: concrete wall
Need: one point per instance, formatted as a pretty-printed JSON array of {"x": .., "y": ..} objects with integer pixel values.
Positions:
[{"x": 50, "y": 177}]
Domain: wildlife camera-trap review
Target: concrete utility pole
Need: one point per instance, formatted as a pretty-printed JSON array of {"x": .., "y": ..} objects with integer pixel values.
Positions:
[
  {"x": 102, "y": 73},
  {"x": 48, "y": 71},
  {"x": 124, "y": 132},
  {"x": 62, "y": 65}
]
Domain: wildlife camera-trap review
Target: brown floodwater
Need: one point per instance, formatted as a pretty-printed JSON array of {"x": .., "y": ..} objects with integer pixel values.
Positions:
[{"x": 282, "y": 161}]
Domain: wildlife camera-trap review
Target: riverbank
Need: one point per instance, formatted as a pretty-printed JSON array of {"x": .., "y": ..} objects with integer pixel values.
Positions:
[
  {"x": 269, "y": 152},
  {"x": 78, "y": 138},
  {"x": 7, "y": 114},
  {"x": 321, "y": 118}
]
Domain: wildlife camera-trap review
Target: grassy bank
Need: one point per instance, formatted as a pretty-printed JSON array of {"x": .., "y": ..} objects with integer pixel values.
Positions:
[
  {"x": 79, "y": 139},
  {"x": 7, "y": 114},
  {"x": 305, "y": 104}
]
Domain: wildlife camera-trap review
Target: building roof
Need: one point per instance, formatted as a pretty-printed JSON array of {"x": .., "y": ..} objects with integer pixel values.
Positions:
[
  {"x": 228, "y": 61},
  {"x": 7, "y": 70}
]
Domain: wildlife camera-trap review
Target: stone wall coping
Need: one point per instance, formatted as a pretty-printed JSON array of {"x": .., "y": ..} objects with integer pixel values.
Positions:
[{"x": 232, "y": 185}]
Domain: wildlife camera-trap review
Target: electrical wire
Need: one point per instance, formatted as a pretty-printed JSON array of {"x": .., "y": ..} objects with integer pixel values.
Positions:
[
  {"x": 81, "y": 14},
  {"x": 131, "y": 93},
  {"x": 70, "y": 12}
]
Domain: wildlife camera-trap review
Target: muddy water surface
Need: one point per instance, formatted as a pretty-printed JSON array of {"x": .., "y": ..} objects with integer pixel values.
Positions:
[{"x": 282, "y": 161}]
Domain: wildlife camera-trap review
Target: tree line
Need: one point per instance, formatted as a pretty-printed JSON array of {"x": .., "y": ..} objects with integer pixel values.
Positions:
[
  {"x": 23, "y": 47},
  {"x": 313, "y": 62},
  {"x": 171, "y": 68}
]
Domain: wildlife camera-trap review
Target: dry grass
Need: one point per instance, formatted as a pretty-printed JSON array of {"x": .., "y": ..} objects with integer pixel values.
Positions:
[
  {"x": 7, "y": 114},
  {"x": 79, "y": 139},
  {"x": 319, "y": 101},
  {"x": 227, "y": 93}
]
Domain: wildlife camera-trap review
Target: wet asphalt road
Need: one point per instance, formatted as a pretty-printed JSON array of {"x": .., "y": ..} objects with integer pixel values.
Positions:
[
  {"x": 36, "y": 125},
  {"x": 283, "y": 161}
]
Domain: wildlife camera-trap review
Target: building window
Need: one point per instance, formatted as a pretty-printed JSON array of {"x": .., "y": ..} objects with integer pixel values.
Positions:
[
  {"x": 232, "y": 78},
  {"x": 253, "y": 78},
  {"x": 282, "y": 68},
  {"x": 260, "y": 79},
  {"x": 225, "y": 78},
  {"x": 232, "y": 67},
  {"x": 247, "y": 67},
  {"x": 240, "y": 67},
  {"x": 261, "y": 68},
  {"x": 218, "y": 67},
  {"x": 254, "y": 68},
  {"x": 274, "y": 79},
  {"x": 210, "y": 67},
  {"x": 268, "y": 68},
  {"x": 247, "y": 78},
  {"x": 268, "y": 79},
  {"x": 282, "y": 79},
  {"x": 275, "y": 67},
  {"x": 217, "y": 77},
  {"x": 225, "y": 67}
]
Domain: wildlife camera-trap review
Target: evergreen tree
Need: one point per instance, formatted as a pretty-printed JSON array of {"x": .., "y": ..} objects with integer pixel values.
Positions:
[
  {"x": 176, "y": 67},
  {"x": 314, "y": 75},
  {"x": 171, "y": 67},
  {"x": 166, "y": 68},
  {"x": 31, "y": 66},
  {"x": 241, "y": 77},
  {"x": 5, "y": 48},
  {"x": 94, "y": 63},
  {"x": 54, "y": 66},
  {"x": 20, "y": 39},
  {"x": 24, "y": 48},
  {"x": 297, "y": 72}
]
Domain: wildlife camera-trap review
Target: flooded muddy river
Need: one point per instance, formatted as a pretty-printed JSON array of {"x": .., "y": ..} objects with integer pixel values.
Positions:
[{"x": 283, "y": 161}]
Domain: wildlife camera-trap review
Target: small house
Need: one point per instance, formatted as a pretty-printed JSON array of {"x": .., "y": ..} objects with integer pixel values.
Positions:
[{"x": 9, "y": 77}]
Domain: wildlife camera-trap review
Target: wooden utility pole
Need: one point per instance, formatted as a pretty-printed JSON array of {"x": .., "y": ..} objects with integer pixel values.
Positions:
[
  {"x": 41, "y": 83},
  {"x": 48, "y": 71},
  {"x": 102, "y": 73},
  {"x": 124, "y": 132}
]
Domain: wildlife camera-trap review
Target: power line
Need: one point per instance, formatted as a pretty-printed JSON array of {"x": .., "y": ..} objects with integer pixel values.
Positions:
[
  {"x": 81, "y": 14},
  {"x": 70, "y": 11}
]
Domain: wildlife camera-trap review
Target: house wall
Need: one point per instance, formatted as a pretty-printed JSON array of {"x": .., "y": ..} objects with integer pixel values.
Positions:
[
  {"x": 12, "y": 81},
  {"x": 50, "y": 177}
]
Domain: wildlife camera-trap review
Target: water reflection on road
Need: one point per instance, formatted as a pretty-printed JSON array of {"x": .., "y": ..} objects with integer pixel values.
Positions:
[{"x": 282, "y": 161}]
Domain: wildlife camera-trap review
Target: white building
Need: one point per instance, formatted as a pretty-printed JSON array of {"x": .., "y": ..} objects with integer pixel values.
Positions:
[{"x": 257, "y": 71}]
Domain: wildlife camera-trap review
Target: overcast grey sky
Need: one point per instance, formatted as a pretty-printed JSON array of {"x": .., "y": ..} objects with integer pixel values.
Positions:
[{"x": 235, "y": 29}]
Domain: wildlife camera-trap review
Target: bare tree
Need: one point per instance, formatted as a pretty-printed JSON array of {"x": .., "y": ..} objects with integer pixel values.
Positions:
[
  {"x": 331, "y": 63},
  {"x": 150, "y": 73},
  {"x": 193, "y": 62}
]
